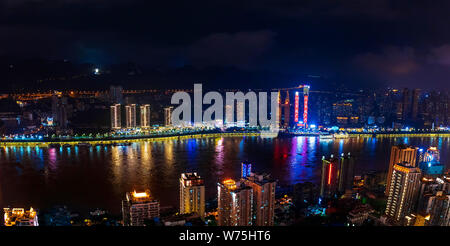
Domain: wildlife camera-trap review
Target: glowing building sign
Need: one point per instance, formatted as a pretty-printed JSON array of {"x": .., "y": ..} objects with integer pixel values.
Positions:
[
  {"x": 305, "y": 104},
  {"x": 296, "y": 106}
]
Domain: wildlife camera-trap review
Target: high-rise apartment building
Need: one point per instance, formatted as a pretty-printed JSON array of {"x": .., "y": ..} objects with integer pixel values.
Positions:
[
  {"x": 329, "y": 177},
  {"x": 139, "y": 207},
  {"x": 145, "y": 115},
  {"x": 130, "y": 115},
  {"x": 406, "y": 104},
  {"x": 59, "y": 111},
  {"x": 235, "y": 202},
  {"x": 415, "y": 104},
  {"x": 192, "y": 194},
  {"x": 346, "y": 173},
  {"x": 116, "y": 122},
  {"x": 337, "y": 175},
  {"x": 263, "y": 198},
  {"x": 400, "y": 154},
  {"x": 168, "y": 116},
  {"x": 240, "y": 114},
  {"x": 229, "y": 116},
  {"x": 403, "y": 192}
]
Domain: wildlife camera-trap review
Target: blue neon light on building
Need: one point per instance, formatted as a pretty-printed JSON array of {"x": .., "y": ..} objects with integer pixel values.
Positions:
[{"x": 246, "y": 169}]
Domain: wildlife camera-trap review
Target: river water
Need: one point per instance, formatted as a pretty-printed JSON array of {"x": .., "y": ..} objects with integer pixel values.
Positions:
[{"x": 85, "y": 178}]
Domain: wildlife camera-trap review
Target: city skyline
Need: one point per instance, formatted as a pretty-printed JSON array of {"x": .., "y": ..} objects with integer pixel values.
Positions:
[{"x": 222, "y": 121}]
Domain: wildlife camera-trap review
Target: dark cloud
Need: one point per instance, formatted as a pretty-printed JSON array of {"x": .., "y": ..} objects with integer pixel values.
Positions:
[
  {"x": 392, "y": 61},
  {"x": 440, "y": 55},
  {"x": 237, "y": 50}
]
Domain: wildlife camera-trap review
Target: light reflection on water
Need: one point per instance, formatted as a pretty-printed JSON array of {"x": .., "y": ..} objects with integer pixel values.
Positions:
[{"x": 89, "y": 177}]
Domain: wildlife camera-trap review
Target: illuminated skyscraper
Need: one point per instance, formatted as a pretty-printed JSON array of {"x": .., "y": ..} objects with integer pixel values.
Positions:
[
  {"x": 403, "y": 192},
  {"x": 337, "y": 175},
  {"x": 400, "y": 154},
  {"x": 138, "y": 207},
  {"x": 130, "y": 113},
  {"x": 406, "y": 104},
  {"x": 234, "y": 204},
  {"x": 168, "y": 116},
  {"x": 59, "y": 111},
  {"x": 229, "y": 116},
  {"x": 20, "y": 217},
  {"x": 415, "y": 104},
  {"x": 296, "y": 107},
  {"x": 240, "y": 114},
  {"x": 263, "y": 198},
  {"x": 329, "y": 177},
  {"x": 145, "y": 115},
  {"x": 346, "y": 173},
  {"x": 192, "y": 194},
  {"x": 305, "y": 104},
  {"x": 115, "y": 117}
]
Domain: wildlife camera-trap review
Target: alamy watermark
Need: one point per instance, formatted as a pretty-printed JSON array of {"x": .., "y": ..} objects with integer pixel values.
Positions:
[{"x": 235, "y": 102}]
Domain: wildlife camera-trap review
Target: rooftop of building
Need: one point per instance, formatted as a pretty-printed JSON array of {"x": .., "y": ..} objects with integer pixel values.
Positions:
[
  {"x": 406, "y": 167},
  {"x": 191, "y": 179},
  {"x": 234, "y": 186},
  {"x": 139, "y": 197},
  {"x": 260, "y": 178}
]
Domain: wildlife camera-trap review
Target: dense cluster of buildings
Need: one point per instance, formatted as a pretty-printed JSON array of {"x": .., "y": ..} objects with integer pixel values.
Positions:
[
  {"x": 418, "y": 190},
  {"x": 74, "y": 111},
  {"x": 249, "y": 201}
]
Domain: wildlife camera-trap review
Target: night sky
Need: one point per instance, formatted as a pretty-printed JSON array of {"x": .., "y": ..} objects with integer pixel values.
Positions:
[{"x": 401, "y": 43}]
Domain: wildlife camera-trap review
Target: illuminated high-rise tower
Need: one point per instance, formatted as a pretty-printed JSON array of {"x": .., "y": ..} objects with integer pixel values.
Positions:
[
  {"x": 168, "y": 116},
  {"x": 139, "y": 207},
  {"x": 240, "y": 114},
  {"x": 296, "y": 107},
  {"x": 403, "y": 192},
  {"x": 235, "y": 203},
  {"x": 192, "y": 194},
  {"x": 263, "y": 198},
  {"x": 305, "y": 105},
  {"x": 145, "y": 115},
  {"x": 130, "y": 113},
  {"x": 287, "y": 113},
  {"x": 400, "y": 154},
  {"x": 229, "y": 116},
  {"x": 116, "y": 122},
  {"x": 329, "y": 177},
  {"x": 346, "y": 173},
  {"x": 337, "y": 175},
  {"x": 415, "y": 104}
]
